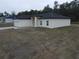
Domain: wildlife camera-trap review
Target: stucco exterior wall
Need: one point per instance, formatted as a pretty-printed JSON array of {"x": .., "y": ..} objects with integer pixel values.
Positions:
[
  {"x": 2, "y": 19},
  {"x": 61, "y": 22},
  {"x": 23, "y": 23},
  {"x": 43, "y": 23},
  {"x": 8, "y": 20},
  {"x": 54, "y": 23}
]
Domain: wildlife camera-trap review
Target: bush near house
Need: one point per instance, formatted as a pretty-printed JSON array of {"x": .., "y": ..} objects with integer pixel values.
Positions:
[{"x": 76, "y": 22}]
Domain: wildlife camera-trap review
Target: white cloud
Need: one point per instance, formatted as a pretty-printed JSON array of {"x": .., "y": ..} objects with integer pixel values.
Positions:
[{"x": 19, "y": 5}]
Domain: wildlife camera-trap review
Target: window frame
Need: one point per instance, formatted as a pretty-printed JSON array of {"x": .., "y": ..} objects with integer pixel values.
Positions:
[
  {"x": 47, "y": 23},
  {"x": 40, "y": 22}
]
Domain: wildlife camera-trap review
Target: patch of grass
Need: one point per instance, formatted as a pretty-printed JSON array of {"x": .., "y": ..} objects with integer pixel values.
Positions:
[
  {"x": 40, "y": 43},
  {"x": 77, "y": 22}
]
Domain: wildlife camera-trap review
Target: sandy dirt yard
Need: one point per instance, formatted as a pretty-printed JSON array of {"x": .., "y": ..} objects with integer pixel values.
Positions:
[{"x": 40, "y": 43}]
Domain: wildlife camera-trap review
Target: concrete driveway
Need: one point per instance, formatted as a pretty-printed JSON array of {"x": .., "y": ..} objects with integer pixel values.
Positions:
[{"x": 4, "y": 28}]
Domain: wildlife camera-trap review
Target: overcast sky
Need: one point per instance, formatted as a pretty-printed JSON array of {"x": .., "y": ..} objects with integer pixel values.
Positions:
[{"x": 22, "y": 5}]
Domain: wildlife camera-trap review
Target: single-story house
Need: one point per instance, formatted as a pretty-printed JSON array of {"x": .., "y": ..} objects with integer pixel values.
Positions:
[
  {"x": 48, "y": 20},
  {"x": 6, "y": 19},
  {"x": 2, "y": 19}
]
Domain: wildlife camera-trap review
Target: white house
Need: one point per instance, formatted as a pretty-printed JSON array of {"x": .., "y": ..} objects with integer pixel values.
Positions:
[
  {"x": 8, "y": 20},
  {"x": 2, "y": 19},
  {"x": 48, "y": 20}
]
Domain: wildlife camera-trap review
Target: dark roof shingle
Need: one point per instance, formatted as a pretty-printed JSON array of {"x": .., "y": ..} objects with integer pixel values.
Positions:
[
  {"x": 43, "y": 16},
  {"x": 51, "y": 16}
]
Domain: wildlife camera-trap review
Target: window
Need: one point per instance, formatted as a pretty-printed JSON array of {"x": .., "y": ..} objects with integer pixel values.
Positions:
[
  {"x": 40, "y": 22},
  {"x": 47, "y": 23}
]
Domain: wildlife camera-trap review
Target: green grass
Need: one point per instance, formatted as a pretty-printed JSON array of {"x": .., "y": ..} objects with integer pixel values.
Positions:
[
  {"x": 40, "y": 43},
  {"x": 77, "y": 22}
]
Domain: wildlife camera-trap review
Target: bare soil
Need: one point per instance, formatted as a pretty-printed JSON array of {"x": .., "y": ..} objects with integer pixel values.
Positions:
[{"x": 40, "y": 43}]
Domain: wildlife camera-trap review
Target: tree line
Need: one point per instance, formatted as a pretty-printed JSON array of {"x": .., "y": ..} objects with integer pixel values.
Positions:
[{"x": 66, "y": 9}]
